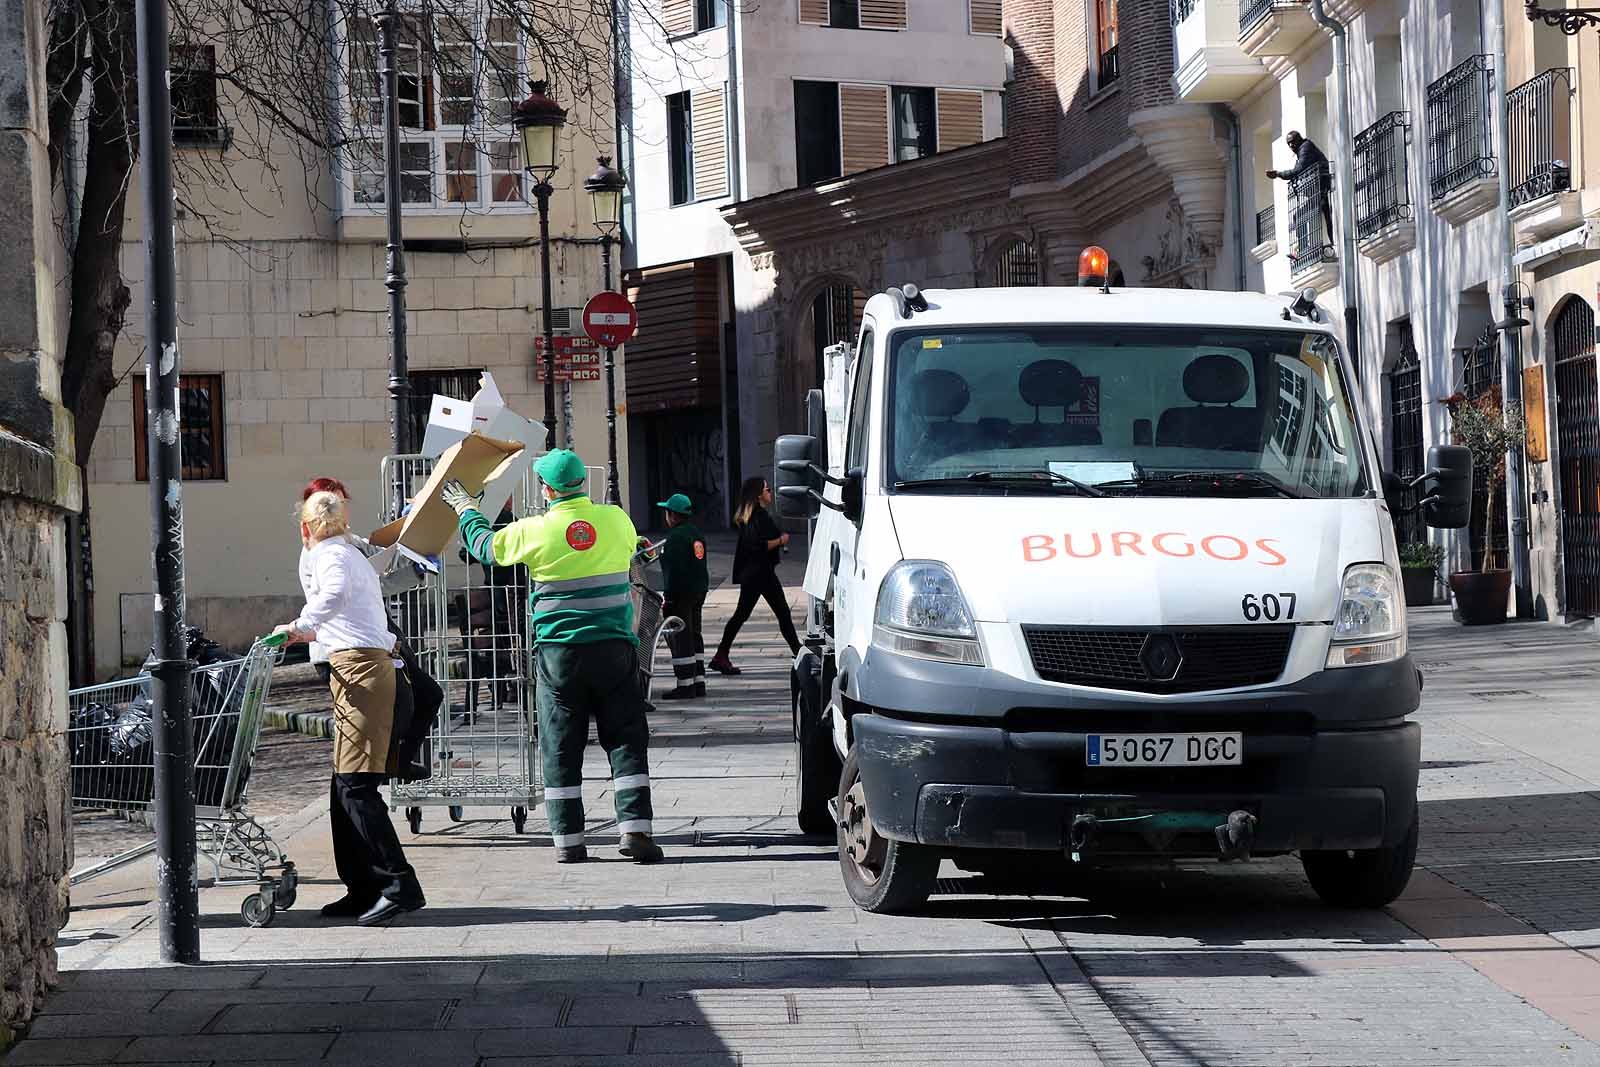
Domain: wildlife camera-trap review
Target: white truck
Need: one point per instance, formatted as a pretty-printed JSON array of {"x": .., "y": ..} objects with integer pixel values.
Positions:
[{"x": 1103, "y": 574}]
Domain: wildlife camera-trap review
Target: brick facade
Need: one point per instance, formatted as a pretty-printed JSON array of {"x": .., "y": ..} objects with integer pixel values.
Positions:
[{"x": 1033, "y": 107}]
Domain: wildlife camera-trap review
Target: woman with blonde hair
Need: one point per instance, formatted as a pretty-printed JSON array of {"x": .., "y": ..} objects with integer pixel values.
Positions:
[{"x": 344, "y": 613}]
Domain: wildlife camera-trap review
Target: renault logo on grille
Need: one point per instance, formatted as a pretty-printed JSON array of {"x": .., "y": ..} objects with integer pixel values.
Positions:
[{"x": 1161, "y": 657}]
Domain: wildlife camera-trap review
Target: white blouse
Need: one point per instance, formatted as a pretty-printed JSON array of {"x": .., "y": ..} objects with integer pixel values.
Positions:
[{"x": 344, "y": 602}]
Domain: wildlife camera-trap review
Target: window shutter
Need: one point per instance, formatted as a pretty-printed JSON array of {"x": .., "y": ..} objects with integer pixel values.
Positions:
[
  {"x": 960, "y": 120},
  {"x": 677, "y": 16},
  {"x": 710, "y": 136},
  {"x": 983, "y": 16},
  {"x": 883, "y": 14},
  {"x": 813, "y": 12},
  {"x": 863, "y": 127}
]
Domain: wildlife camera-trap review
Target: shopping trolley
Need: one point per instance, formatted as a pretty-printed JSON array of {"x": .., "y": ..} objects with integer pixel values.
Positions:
[
  {"x": 649, "y": 625},
  {"x": 113, "y": 769}
]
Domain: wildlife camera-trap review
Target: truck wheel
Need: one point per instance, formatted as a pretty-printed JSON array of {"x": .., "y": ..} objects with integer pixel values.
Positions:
[
  {"x": 816, "y": 762},
  {"x": 1362, "y": 878},
  {"x": 880, "y": 874}
]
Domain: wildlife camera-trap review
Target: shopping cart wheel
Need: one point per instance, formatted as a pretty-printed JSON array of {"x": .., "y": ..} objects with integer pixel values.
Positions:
[
  {"x": 257, "y": 910},
  {"x": 455, "y": 813},
  {"x": 414, "y": 817},
  {"x": 284, "y": 896},
  {"x": 519, "y": 818}
]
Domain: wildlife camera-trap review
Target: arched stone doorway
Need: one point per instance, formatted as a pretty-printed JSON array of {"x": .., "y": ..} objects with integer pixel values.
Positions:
[
  {"x": 1014, "y": 261},
  {"x": 824, "y": 313},
  {"x": 1578, "y": 447}
]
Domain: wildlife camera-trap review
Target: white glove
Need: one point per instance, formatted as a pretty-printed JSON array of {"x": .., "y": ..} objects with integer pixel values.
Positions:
[{"x": 455, "y": 494}]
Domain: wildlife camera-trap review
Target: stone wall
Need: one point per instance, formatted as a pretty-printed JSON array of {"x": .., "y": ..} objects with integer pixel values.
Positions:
[{"x": 38, "y": 486}]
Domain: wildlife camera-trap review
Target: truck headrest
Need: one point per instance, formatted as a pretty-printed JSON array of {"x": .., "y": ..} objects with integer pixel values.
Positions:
[
  {"x": 1215, "y": 379},
  {"x": 939, "y": 394},
  {"x": 1050, "y": 383}
]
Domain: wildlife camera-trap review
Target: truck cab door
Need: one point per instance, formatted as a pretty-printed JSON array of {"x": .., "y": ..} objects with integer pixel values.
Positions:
[{"x": 851, "y": 596}]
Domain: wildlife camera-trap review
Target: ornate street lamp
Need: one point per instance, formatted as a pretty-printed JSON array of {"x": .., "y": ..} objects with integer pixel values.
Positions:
[
  {"x": 1569, "y": 20},
  {"x": 605, "y": 188},
  {"x": 539, "y": 120}
]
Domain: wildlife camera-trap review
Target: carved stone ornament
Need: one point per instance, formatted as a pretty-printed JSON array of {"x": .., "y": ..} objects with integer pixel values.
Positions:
[{"x": 1184, "y": 258}]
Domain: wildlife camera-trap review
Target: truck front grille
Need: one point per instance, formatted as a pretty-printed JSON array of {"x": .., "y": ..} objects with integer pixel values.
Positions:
[{"x": 1158, "y": 660}]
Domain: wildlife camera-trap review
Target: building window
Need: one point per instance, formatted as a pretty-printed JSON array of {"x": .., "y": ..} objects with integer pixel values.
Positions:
[
  {"x": 460, "y": 76},
  {"x": 1406, "y": 436},
  {"x": 709, "y": 14},
  {"x": 816, "y": 132},
  {"x": 680, "y": 148},
  {"x": 1107, "y": 66},
  {"x": 844, "y": 14},
  {"x": 915, "y": 135},
  {"x": 193, "y": 81},
  {"x": 200, "y": 433},
  {"x": 426, "y": 384},
  {"x": 1017, "y": 264}
]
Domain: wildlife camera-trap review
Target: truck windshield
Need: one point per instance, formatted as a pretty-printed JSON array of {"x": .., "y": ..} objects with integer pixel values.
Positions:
[{"x": 1196, "y": 411}]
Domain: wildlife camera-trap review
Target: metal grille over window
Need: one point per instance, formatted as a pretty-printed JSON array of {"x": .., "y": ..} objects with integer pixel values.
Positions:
[
  {"x": 1459, "y": 149},
  {"x": 1106, "y": 37},
  {"x": 1405, "y": 433},
  {"x": 200, "y": 429},
  {"x": 1017, "y": 264},
  {"x": 1223, "y": 657},
  {"x": 1539, "y": 126},
  {"x": 193, "y": 79},
  {"x": 1578, "y": 444},
  {"x": 1181, "y": 9},
  {"x": 1267, "y": 224},
  {"x": 425, "y": 385},
  {"x": 1310, "y": 205},
  {"x": 1383, "y": 186}
]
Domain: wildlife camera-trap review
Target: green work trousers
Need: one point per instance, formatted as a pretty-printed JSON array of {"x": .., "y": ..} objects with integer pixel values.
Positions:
[{"x": 598, "y": 681}]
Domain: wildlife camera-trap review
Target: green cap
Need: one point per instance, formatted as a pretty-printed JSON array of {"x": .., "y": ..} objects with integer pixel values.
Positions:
[
  {"x": 561, "y": 470},
  {"x": 678, "y": 504}
]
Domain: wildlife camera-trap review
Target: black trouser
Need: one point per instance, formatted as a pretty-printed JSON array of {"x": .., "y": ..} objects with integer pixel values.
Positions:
[
  {"x": 366, "y": 851},
  {"x": 688, "y": 645},
  {"x": 768, "y": 588}
]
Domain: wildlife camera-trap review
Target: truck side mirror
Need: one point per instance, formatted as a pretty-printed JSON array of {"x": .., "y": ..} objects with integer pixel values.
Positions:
[
  {"x": 797, "y": 498},
  {"x": 1448, "y": 505},
  {"x": 850, "y": 494}
]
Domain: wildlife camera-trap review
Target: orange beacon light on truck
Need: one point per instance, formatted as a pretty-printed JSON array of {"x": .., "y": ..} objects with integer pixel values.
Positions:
[{"x": 1093, "y": 266}]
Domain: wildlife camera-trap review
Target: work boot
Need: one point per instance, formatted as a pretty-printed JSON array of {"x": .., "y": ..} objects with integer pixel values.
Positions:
[
  {"x": 699, "y": 689},
  {"x": 640, "y": 848},
  {"x": 683, "y": 692},
  {"x": 572, "y": 854},
  {"x": 721, "y": 665},
  {"x": 348, "y": 906}
]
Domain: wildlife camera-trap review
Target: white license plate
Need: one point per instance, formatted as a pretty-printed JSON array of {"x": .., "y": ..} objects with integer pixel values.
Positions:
[{"x": 1164, "y": 750}]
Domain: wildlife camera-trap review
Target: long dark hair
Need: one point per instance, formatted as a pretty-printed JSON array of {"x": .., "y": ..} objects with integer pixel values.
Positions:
[{"x": 749, "y": 499}]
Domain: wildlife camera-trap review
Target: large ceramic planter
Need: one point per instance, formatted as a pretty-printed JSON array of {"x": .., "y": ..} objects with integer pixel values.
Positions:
[
  {"x": 1419, "y": 585},
  {"x": 1481, "y": 596}
]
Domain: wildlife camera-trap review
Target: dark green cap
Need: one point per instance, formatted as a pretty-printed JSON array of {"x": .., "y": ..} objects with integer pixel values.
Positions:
[
  {"x": 678, "y": 504},
  {"x": 561, "y": 470}
]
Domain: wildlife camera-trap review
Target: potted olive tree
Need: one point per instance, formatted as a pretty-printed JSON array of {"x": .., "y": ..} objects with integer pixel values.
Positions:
[
  {"x": 1419, "y": 570},
  {"x": 1483, "y": 426}
]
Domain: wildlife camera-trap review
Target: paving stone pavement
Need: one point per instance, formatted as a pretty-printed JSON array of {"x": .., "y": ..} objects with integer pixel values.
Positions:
[{"x": 743, "y": 947}]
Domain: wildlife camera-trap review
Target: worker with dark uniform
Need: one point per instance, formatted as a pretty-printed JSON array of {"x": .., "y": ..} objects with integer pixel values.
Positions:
[
  {"x": 684, "y": 581},
  {"x": 577, "y": 554}
]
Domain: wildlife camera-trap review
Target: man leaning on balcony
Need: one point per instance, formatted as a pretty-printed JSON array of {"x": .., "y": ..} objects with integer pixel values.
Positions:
[{"x": 1306, "y": 157}]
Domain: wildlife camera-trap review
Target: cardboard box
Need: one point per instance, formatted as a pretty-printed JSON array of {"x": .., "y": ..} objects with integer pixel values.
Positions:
[
  {"x": 450, "y": 420},
  {"x": 480, "y": 463}
]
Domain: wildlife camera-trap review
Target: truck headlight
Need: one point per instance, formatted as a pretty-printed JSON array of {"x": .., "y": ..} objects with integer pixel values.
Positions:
[
  {"x": 922, "y": 613},
  {"x": 1370, "y": 625}
]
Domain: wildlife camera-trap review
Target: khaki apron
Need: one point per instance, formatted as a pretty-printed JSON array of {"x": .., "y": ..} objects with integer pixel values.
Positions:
[{"x": 363, "y": 684}]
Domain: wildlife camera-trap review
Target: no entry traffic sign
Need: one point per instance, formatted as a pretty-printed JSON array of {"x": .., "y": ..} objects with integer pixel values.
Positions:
[{"x": 610, "y": 319}]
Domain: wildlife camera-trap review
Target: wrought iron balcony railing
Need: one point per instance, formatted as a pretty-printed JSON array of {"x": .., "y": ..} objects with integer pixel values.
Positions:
[
  {"x": 1383, "y": 186},
  {"x": 1181, "y": 9},
  {"x": 1459, "y": 148},
  {"x": 1539, "y": 127},
  {"x": 1311, "y": 211},
  {"x": 1267, "y": 224},
  {"x": 1254, "y": 12}
]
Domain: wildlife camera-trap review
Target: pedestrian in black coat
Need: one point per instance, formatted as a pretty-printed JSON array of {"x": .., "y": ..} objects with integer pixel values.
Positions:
[{"x": 755, "y": 569}]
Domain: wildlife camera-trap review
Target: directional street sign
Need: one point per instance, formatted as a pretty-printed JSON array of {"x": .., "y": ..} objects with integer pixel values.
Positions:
[{"x": 610, "y": 319}]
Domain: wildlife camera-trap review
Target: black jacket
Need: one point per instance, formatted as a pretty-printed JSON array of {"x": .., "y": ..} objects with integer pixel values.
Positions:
[
  {"x": 1307, "y": 157},
  {"x": 753, "y": 561}
]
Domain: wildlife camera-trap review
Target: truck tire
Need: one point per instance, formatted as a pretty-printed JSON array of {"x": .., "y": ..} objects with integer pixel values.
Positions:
[
  {"x": 880, "y": 874},
  {"x": 1362, "y": 878},
  {"x": 816, "y": 762}
]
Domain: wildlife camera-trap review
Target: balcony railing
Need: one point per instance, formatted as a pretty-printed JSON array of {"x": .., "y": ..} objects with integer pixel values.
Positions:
[
  {"x": 1311, "y": 207},
  {"x": 1459, "y": 149},
  {"x": 1267, "y": 224},
  {"x": 1254, "y": 12},
  {"x": 1181, "y": 9},
  {"x": 1383, "y": 186},
  {"x": 1539, "y": 125}
]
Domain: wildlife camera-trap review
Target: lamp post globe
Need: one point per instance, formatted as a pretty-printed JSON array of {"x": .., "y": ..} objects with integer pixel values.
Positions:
[
  {"x": 538, "y": 120},
  {"x": 605, "y": 188}
]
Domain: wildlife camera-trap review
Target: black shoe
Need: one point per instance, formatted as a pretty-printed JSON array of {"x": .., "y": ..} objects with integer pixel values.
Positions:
[
  {"x": 385, "y": 910},
  {"x": 722, "y": 665},
  {"x": 640, "y": 848},
  {"x": 683, "y": 692},
  {"x": 347, "y": 907},
  {"x": 699, "y": 689},
  {"x": 572, "y": 854}
]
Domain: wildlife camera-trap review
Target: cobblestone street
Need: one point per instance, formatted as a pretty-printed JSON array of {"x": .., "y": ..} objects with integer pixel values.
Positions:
[{"x": 743, "y": 947}]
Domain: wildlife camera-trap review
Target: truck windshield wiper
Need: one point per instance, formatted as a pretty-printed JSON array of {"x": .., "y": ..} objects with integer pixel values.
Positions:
[
  {"x": 1203, "y": 483},
  {"x": 1018, "y": 477}
]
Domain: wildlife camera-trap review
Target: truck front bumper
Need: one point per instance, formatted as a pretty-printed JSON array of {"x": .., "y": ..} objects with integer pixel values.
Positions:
[{"x": 981, "y": 786}]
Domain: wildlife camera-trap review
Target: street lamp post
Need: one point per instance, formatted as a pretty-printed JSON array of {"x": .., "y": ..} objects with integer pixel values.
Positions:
[
  {"x": 605, "y": 187},
  {"x": 394, "y": 278},
  {"x": 539, "y": 119}
]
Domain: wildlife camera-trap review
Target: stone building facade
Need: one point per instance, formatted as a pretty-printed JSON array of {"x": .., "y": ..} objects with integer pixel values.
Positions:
[{"x": 39, "y": 486}]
